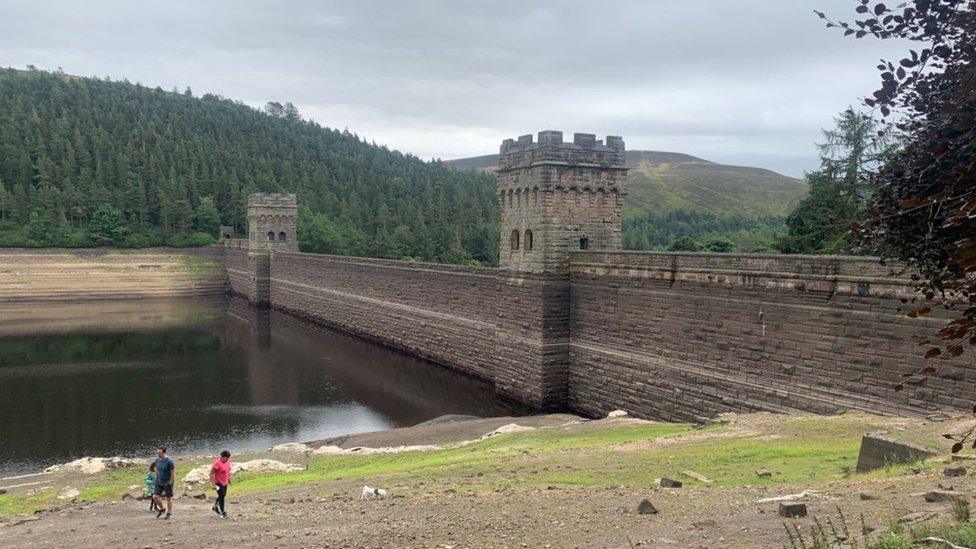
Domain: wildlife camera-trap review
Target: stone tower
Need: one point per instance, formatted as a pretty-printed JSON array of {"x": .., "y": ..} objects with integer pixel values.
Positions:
[
  {"x": 272, "y": 222},
  {"x": 559, "y": 197}
]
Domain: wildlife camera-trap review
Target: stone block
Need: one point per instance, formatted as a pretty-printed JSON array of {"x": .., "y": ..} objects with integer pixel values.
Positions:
[
  {"x": 792, "y": 509},
  {"x": 879, "y": 451},
  {"x": 670, "y": 483}
]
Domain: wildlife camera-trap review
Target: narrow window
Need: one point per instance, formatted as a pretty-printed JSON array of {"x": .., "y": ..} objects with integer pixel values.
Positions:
[
  {"x": 528, "y": 240},
  {"x": 270, "y": 236},
  {"x": 518, "y": 198},
  {"x": 510, "y": 196},
  {"x": 535, "y": 197},
  {"x": 515, "y": 240},
  {"x": 584, "y": 243},
  {"x": 282, "y": 237}
]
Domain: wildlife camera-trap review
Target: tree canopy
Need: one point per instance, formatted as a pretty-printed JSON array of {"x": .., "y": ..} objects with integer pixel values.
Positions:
[
  {"x": 177, "y": 166},
  {"x": 924, "y": 208}
]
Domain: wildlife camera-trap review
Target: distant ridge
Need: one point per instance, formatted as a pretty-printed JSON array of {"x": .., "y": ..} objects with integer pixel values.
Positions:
[{"x": 662, "y": 182}]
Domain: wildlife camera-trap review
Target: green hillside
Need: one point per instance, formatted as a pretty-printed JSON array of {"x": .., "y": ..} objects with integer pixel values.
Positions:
[
  {"x": 667, "y": 182},
  {"x": 663, "y": 182},
  {"x": 86, "y": 162}
]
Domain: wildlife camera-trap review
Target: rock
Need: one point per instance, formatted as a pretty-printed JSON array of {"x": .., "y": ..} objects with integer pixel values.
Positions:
[
  {"x": 670, "y": 483},
  {"x": 93, "y": 465},
  {"x": 865, "y": 496},
  {"x": 702, "y": 524},
  {"x": 912, "y": 518},
  {"x": 877, "y": 450},
  {"x": 764, "y": 473},
  {"x": 199, "y": 495},
  {"x": 510, "y": 428},
  {"x": 616, "y": 414},
  {"x": 942, "y": 495},
  {"x": 69, "y": 493},
  {"x": 792, "y": 510},
  {"x": 3, "y": 491},
  {"x": 362, "y": 450},
  {"x": 697, "y": 476},
  {"x": 201, "y": 475},
  {"x": 295, "y": 447},
  {"x": 646, "y": 508},
  {"x": 954, "y": 471}
]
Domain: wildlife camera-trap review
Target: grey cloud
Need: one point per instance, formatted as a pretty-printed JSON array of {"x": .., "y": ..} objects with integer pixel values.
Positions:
[{"x": 740, "y": 82}]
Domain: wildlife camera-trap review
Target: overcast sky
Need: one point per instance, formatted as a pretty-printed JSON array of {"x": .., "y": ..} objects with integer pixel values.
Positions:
[{"x": 746, "y": 82}]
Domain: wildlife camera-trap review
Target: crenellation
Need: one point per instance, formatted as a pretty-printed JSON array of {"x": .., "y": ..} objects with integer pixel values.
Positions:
[
  {"x": 571, "y": 321},
  {"x": 272, "y": 220},
  {"x": 585, "y": 140}
]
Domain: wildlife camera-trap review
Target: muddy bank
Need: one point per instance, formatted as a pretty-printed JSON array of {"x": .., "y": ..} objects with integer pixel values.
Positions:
[
  {"x": 28, "y": 275},
  {"x": 442, "y": 432}
]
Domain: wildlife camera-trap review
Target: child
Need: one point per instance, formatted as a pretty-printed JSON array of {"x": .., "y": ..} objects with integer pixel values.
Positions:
[{"x": 151, "y": 486}]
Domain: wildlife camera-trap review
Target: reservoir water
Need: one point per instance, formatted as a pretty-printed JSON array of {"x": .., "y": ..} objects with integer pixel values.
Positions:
[{"x": 122, "y": 377}]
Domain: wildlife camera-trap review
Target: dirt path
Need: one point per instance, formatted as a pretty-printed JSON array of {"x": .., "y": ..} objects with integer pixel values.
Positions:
[
  {"x": 454, "y": 504},
  {"x": 699, "y": 517}
]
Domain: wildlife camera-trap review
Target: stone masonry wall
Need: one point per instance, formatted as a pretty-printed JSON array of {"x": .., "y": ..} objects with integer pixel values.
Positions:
[
  {"x": 557, "y": 197},
  {"x": 470, "y": 319},
  {"x": 662, "y": 335},
  {"x": 687, "y": 336},
  {"x": 248, "y": 272}
]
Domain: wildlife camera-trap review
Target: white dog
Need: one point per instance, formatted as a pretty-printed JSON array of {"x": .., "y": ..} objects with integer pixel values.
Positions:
[{"x": 373, "y": 493}]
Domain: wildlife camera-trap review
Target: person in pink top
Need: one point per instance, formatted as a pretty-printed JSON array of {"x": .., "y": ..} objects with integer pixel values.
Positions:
[{"x": 220, "y": 477}]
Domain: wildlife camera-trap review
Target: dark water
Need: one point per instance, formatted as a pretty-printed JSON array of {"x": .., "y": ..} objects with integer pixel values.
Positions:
[{"x": 120, "y": 378}]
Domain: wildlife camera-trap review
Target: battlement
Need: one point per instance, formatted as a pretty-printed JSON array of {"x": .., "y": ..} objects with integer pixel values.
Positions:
[
  {"x": 272, "y": 221},
  {"x": 550, "y": 148},
  {"x": 272, "y": 200}
]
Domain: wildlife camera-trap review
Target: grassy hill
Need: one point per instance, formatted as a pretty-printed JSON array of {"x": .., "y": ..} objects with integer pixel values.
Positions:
[{"x": 663, "y": 182}]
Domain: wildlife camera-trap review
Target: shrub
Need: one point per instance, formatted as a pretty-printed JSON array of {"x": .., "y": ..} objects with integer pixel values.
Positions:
[{"x": 191, "y": 240}]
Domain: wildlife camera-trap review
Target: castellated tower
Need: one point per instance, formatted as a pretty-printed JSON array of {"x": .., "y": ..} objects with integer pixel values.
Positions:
[
  {"x": 559, "y": 197},
  {"x": 272, "y": 222}
]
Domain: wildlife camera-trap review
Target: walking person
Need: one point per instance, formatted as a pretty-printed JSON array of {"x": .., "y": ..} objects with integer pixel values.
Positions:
[
  {"x": 165, "y": 477},
  {"x": 220, "y": 473},
  {"x": 151, "y": 486}
]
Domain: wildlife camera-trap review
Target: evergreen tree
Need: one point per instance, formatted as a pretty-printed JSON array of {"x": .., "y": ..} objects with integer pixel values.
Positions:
[
  {"x": 206, "y": 218},
  {"x": 107, "y": 226},
  {"x": 167, "y": 160},
  {"x": 840, "y": 189}
]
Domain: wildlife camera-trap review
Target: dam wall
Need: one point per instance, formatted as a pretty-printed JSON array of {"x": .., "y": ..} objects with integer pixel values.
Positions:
[
  {"x": 470, "y": 319},
  {"x": 687, "y": 336},
  {"x": 80, "y": 274},
  {"x": 662, "y": 335},
  {"x": 674, "y": 336}
]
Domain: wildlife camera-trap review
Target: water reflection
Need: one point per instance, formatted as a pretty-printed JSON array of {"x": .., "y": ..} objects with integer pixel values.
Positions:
[{"x": 122, "y": 377}]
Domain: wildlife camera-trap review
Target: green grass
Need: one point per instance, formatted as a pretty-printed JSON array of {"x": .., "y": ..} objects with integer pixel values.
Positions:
[
  {"x": 803, "y": 451},
  {"x": 23, "y": 504}
]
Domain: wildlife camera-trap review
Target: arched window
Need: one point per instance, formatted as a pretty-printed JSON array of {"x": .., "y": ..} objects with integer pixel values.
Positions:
[
  {"x": 528, "y": 240},
  {"x": 515, "y": 240},
  {"x": 282, "y": 236},
  {"x": 511, "y": 195},
  {"x": 270, "y": 236},
  {"x": 535, "y": 197},
  {"x": 584, "y": 243}
]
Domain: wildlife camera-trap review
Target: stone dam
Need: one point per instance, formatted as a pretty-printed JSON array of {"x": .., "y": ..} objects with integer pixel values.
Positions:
[{"x": 569, "y": 321}]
